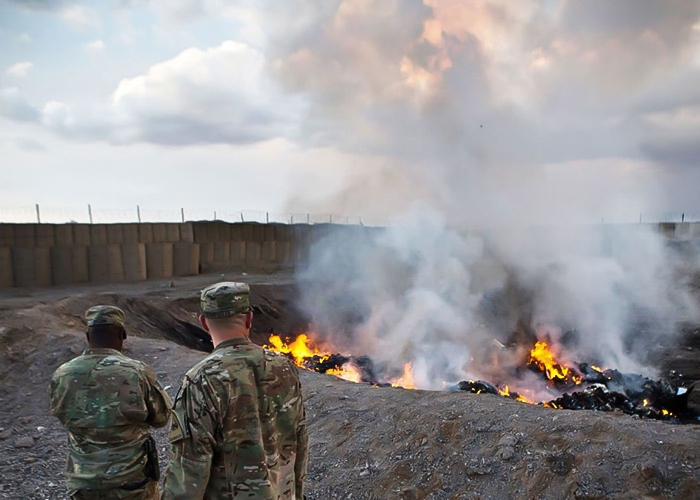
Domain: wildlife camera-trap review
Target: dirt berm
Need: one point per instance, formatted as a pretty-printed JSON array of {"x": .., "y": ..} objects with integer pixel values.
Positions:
[{"x": 366, "y": 442}]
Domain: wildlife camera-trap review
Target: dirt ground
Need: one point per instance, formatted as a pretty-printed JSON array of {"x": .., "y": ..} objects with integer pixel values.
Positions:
[{"x": 366, "y": 442}]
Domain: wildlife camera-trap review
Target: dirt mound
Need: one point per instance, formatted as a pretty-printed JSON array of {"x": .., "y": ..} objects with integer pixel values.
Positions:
[
  {"x": 396, "y": 443},
  {"x": 166, "y": 314}
]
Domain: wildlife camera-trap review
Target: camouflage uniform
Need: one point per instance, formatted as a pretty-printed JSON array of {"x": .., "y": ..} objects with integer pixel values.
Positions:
[
  {"x": 107, "y": 401},
  {"x": 238, "y": 429}
]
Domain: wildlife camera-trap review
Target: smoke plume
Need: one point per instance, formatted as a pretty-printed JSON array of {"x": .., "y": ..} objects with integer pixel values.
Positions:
[{"x": 512, "y": 136}]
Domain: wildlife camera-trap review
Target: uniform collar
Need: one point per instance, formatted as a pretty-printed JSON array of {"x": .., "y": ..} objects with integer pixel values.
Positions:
[
  {"x": 233, "y": 342},
  {"x": 101, "y": 350}
]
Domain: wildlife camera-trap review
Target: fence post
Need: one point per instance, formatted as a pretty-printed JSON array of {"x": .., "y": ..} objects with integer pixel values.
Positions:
[
  {"x": 267, "y": 217},
  {"x": 640, "y": 218},
  {"x": 182, "y": 214},
  {"x": 138, "y": 213},
  {"x": 308, "y": 218},
  {"x": 38, "y": 215},
  {"x": 292, "y": 219},
  {"x": 90, "y": 213},
  {"x": 214, "y": 214},
  {"x": 242, "y": 217},
  {"x": 683, "y": 217}
]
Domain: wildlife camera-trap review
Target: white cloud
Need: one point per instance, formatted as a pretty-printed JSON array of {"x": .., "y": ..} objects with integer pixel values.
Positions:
[
  {"x": 94, "y": 46},
  {"x": 14, "y": 106},
  {"x": 39, "y": 5},
  {"x": 20, "y": 69},
  {"x": 57, "y": 116},
  {"x": 181, "y": 10},
  {"x": 29, "y": 144},
  {"x": 216, "y": 95},
  {"x": 80, "y": 16},
  {"x": 24, "y": 38}
]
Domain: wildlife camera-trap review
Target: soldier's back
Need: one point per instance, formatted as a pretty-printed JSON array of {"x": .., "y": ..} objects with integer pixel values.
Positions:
[
  {"x": 249, "y": 401},
  {"x": 101, "y": 388},
  {"x": 100, "y": 397}
]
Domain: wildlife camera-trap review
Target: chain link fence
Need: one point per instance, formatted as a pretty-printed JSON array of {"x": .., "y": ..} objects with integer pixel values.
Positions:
[{"x": 96, "y": 215}]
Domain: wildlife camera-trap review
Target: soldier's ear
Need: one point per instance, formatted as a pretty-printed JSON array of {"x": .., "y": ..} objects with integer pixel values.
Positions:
[
  {"x": 249, "y": 320},
  {"x": 203, "y": 322}
]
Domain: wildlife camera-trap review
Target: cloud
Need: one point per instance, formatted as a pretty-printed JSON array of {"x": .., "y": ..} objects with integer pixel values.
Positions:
[
  {"x": 497, "y": 84},
  {"x": 181, "y": 10},
  {"x": 95, "y": 46},
  {"x": 20, "y": 69},
  {"x": 80, "y": 16},
  {"x": 45, "y": 5},
  {"x": 215, "y": 95},
  {"x": 70, "y": 11},
  {"x": 24, "y": 38},
  {"x": 14, "y": 106},
  {"x": 29, "y": 144}
]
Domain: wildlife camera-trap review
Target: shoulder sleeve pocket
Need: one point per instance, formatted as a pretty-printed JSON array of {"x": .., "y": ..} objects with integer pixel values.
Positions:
[{"x": 178, "y": 430}]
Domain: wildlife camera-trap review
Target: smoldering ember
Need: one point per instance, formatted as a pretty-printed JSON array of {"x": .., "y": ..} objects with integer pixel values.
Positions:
[{"x": 433, "y": 364}]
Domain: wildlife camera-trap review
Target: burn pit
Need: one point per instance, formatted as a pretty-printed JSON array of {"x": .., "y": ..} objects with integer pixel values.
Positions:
[{"x": 577, "y": 386}]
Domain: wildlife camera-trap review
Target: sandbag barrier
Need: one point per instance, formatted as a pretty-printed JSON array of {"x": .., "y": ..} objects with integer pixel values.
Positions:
[{"x": 40, "y": 255}]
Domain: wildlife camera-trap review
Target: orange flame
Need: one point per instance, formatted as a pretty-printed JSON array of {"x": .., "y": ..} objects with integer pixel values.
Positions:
[
  {"x": 299, "y": 349},
  {"x": 303, "y": 348},
  {"x": 506, "y": 392},
  {"x": 406, "y": 380},
  {"x": 541, "y": 356},
  {"x": 347, "y": 372}
]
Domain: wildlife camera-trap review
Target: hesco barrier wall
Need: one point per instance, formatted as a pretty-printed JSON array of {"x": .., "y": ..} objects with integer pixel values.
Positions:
[{"x": 39, "y": 255}]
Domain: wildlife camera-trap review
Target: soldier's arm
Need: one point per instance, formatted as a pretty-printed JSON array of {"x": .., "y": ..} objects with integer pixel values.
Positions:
[
  {"x": 302, "y": 457},
  {"x": 56, "y": 397},
  {"x": 157, "y": 400},
  {"x": 192, "y": 442}
]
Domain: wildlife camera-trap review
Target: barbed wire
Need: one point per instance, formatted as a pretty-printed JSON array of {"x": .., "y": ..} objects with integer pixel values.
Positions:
[{"x": 96, "y": 215}]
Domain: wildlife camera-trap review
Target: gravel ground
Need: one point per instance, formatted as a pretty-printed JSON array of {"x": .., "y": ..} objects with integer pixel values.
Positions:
[{"x": 366, "y": 442}]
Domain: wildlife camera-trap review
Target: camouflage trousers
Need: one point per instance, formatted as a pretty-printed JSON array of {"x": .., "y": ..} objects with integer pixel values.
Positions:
[{"x": 149, "y": 491}]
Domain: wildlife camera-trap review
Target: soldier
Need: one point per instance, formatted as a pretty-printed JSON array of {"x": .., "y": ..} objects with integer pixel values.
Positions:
[
  {"x": 238, "y": 429},
  {"x": 107, "y": 401}
]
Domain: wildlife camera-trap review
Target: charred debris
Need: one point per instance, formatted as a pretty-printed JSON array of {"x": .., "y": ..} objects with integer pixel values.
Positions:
[{"x": 591, "y": 388}]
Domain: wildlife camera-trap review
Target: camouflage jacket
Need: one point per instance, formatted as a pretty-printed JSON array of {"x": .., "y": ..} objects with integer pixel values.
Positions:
[
  {"x": 107, "y": 401},
  {"x": 239, "y": 428}
]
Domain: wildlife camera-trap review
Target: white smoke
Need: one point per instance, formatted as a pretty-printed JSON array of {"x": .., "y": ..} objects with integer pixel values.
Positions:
[
  {"x": 519, "y": 130},
  {"x": 424, "y": 292}
]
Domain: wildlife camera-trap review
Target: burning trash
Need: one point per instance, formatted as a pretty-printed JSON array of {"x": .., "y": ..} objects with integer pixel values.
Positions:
[
  {"x": 578, "y": 386},
  {"x": 542, "y": 359}
]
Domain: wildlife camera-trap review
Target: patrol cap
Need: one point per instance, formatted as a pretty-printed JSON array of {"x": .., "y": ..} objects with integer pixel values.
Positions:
[
  {"x": 225, "y": 299},
  {"x": 104, "y": 315}
]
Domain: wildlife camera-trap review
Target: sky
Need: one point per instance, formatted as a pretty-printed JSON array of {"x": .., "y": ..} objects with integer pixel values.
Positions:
[{"x": 485, "y": 111}]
